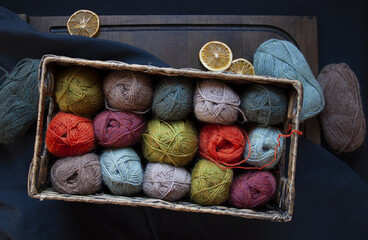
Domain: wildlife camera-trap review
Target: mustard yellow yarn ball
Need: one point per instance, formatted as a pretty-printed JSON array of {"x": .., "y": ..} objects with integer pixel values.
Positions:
[
  {"x": 210, "y": 184},
  {"x": 172, "y": 143},
  {"x": 78, "y": 90}
]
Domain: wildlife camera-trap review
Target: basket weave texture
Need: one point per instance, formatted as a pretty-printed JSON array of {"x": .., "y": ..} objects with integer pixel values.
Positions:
[{"x": 38, "y": 187}]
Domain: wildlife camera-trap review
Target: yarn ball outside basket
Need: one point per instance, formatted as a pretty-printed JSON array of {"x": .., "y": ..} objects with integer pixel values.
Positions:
[
  {"x": 252, "y": 189},
  {"x": 118, "y": 129},
  {"x": 77, "y": 174},
  {"x": 18, "y": 99},
  {"x": 78, "y": 90},
  {"x": 279, "y": 58},
  {"x": 263, "y": 142},
  {"x": 69, "y": 135},
  {"x": 128, "y": 91},
  {"x": 173, "y": 98},
  {"x": 173, "y": 142},
  {"x": 167, "y": 182},
  {"x": 215, "y": 102},
  {"x": 221, "y": 143},
  {"x": 264, "y": 104},
  {"x": 122, "y": 171},
  {"x": 210, "y": 184},
  {"x": 343, "y": 122}
]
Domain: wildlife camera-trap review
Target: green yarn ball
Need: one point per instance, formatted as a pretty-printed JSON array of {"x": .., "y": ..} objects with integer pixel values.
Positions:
[
  {"x": 210, "y": 184},
  {"x": 264, "y": 104},
  {"x": 78, "y": 90},
  {"x": 172, "y": 143}
]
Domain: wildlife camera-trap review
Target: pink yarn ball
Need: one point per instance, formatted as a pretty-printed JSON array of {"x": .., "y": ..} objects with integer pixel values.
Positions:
[
  {"x": 252, "y": 189},
  {"x": 118, "y": 129}
]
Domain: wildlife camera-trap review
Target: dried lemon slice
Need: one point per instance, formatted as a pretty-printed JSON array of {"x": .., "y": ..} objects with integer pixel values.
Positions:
[
  {"x": 241, "y": 66},
  {"x": 216, "y": 56},
  {"x": 83, "y": 23}
]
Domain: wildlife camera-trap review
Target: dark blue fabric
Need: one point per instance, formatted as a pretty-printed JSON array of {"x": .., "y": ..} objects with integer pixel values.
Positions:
[{"x": 331, "y": 199}]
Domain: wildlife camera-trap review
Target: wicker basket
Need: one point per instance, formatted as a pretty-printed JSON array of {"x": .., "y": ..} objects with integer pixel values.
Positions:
[{"x": 281, "y": 208}]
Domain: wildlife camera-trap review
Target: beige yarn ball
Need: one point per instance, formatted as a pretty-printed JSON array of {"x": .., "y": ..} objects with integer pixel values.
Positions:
[
  {"x": 128, "y": 91},
  {"x": 215, "y": 102}
]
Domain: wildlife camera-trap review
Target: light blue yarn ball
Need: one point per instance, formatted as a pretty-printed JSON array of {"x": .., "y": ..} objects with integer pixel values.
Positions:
[
  {"x": 263, "y": 141},
  {"x": 264, "y": 104},
  {"x": 122, "y": 171},
  {"x": 278, "y": 58},
  {"x": 173, "y": 98}
]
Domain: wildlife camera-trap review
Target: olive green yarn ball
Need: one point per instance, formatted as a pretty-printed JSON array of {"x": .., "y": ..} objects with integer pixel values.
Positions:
[
  {"x": 172, "y": 143},
  {"x": 210, "y": 184},
  {"x": 78, "y": 90}
]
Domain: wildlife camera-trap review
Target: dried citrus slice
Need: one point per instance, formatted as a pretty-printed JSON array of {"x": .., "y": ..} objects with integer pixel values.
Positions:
[
  {"x": 216, "y": 56},
  {"x": 241, "y": 66},
  {"x": 83, "y": 23}
]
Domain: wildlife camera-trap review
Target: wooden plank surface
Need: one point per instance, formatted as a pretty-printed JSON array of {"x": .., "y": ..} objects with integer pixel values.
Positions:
[{"x": 177, "y": 39}]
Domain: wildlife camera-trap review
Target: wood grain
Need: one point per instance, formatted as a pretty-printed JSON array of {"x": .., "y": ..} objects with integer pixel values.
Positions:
[{"x": 177, "y": 39}]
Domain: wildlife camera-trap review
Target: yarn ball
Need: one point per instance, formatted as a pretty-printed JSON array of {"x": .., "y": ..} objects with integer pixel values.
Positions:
[
  {"x": 166, "y": 182},
  {"x": 263, "y": 142},
  {"x": 264, "y": 104},
  {"x": 18, "y": 100},
  {"x": 210, "y": 184},
  {"x": 128, "y": 91},
  {"x": 78, "y": 90},
  {"x": 343, "y": 122},
  {"x": 173, "y": 98},
  {"x": 221, "y": 143},
  {"x": 173, "y": 142},
  {"x": 278, "y": 58},
  {"x": 118, "y": 129},
  {"x": 77, "y": 175},
  {"x": 215, "y": 102},
  {"x": 252, "y": 189},
  {"x": 69, "y": 135},
  {"x": 122, "y": 171}
]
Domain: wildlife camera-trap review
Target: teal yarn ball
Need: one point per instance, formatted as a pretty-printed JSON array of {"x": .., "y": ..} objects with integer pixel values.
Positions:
[
  {"x": 173, "y": 98},
  {"x": 264, "y": 104},
  {"x": 263, "y": 142},
  {"x": 122, "y": 171},
  {"x": 278, "y": 58},
  {"x": 18, "y": 99}
]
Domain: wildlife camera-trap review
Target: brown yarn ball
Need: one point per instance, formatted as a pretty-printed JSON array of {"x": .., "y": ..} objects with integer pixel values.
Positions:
[
  {"x": 342, "y": 120},
  {"x": 77, "y": 175},
  {"x": 128, "y": 91}
]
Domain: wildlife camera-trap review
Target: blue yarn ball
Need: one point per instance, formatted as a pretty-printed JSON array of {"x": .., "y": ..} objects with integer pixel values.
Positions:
[
  {"x": 282, "y": 59},
  {"x": 172, "y": 99},
  {"x": 122, "y": 171},
  {"x": 263, "y": 141},
  {"x": 264, "y": 104}
]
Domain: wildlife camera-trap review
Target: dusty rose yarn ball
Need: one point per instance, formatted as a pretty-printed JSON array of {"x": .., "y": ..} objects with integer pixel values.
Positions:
[
  {"x": 128, "y": 91},
  {"x": 252, "y": 189},
  {"x": 118, "y": 129}
]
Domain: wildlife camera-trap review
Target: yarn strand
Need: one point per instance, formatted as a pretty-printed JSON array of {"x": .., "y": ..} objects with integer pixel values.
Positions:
[{"x": 236, "y": 165}]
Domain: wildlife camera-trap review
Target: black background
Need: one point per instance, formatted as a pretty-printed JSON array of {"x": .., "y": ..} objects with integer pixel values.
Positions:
[{"x": 331, "y": 190}]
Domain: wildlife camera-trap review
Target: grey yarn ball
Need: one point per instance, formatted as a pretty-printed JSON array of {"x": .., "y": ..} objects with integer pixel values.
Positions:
[
  {"x": 167, "y": 182},
  {"x": 264, "y": 104},
  {"x": 122, "y": 171},
  {"x": 215, "y": 102},
  {"x": 278, "y": 58},
  {"x": 263, "y": 142},
  {"x": 173, "y": 98}
]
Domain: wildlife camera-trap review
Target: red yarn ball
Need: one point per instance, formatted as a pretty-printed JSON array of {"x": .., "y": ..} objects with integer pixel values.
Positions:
[
  {"x": 118, "y": 129},
  {"x": 221, "y": 143},
  {"x": 70, "y": 135},
  {"x": 252, "y": 189}
]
